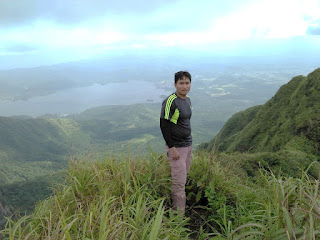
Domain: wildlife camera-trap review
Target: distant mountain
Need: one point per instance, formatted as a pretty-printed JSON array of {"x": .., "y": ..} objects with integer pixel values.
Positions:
[
  {"x": 29, "y": 147},
  {"x": 31, "y": 152},
  {"x": 289, "y": 122},
  {"x": 34, "y": 150},
  {"x": 46, "y": 142},
  {"x": 25, "y": 83},
  {"x": 153, "y": 65}
]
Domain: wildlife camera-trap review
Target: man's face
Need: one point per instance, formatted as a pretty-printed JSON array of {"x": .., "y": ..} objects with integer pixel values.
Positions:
[{"x": 183, "y": 86}]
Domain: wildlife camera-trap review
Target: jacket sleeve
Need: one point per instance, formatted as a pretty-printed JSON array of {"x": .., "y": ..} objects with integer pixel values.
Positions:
[{"x": 166, "y": 129}]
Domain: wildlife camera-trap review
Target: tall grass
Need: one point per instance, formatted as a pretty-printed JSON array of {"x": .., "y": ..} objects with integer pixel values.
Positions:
[
  {"x": 109, "y": 199},
  {"x": 129, "y": 198},
  {"x": 236, "y": 207}
]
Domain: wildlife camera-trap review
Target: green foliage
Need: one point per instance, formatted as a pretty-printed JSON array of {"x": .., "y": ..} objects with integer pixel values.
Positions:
[
  {"x": 289, "y": 207},
  {"x": 292, "y": 113},
  {"x": 129, "y": 198},
  {"x": 282, "y": 134},
  {"x": 31, "y": 149},
  {"x": 108, "y": 199},
  {"x": 233, "y": 127},
  {"x": 31, "y": 139},
  {"x": 285, "y": 163},
  {"x": 23, "y": 195}
]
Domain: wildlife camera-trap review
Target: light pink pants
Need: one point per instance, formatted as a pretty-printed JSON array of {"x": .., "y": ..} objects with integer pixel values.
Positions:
[{"x": 179, "y": 170}]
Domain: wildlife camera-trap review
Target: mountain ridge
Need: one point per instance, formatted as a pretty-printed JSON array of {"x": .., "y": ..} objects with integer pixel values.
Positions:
[
  {"x": 282, "y": 135},
  {"x": 292, "y": 112}
]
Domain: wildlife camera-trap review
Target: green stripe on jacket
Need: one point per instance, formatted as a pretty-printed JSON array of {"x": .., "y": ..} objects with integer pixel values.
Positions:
[{"x": 168, "y": 106}]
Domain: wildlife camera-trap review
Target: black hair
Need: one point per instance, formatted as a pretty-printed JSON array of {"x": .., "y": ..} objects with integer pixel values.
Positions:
[{"x": 181, "y": 75}]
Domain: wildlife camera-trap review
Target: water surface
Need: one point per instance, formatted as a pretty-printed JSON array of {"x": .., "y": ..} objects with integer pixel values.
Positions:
[{"x": 76, "y": 100}]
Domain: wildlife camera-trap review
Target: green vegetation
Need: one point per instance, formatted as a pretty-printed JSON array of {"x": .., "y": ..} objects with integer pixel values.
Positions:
[
  {"x": 293, "y": 113},
  {"x": 258, "y": 179},
  {"x": 31, "y": 140},
  {"x": 24, "y": 195},
  {"x": 113, "y": 128},
  {"x": 32, "y": 149},
  {"x": 129, "y": 198},
  {"x": 286, "y": 128}
]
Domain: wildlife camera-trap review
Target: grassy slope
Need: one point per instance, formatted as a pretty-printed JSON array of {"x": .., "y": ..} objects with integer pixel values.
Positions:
[
  {"x": 287, "y": 125},
  {"x": 292, "y": 112},
  {"x": 31, "y": 145},
  {"x": 129, "y": 198}
]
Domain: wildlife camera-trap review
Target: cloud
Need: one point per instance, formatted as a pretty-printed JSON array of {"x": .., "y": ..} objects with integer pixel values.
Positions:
[
  {"x": 313, "y": 31},
  {"x": 314, "y": 28},
  {"x": 163, "y": 15},
  {"x": 94, "y": 23},
  {"x": 71, "y": 12},
  {"x": 51, "y": 36},
  {"x": 20, "y": 48},
  {"x": 78, "y": 23}
]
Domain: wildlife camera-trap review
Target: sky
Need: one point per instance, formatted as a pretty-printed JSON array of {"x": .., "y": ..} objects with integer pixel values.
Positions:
[{"x": 63, "y": 30}]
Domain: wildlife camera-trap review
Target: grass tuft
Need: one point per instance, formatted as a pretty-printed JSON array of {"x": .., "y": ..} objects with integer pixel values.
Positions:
[{"x": 129, "y": 198}]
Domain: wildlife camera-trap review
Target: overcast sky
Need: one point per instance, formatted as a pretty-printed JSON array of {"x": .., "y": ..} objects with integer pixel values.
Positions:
[{"x": 90, "y": 26}]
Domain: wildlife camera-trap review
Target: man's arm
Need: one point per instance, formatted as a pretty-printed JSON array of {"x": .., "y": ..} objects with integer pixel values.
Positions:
[{"x": 166, "y": 128}]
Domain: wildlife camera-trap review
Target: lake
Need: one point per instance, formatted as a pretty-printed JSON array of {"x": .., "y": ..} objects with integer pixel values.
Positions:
[{"x": 76, "y": 100}]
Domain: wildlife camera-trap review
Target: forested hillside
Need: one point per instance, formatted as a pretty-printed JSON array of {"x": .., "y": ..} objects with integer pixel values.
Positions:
[
  {"x": 32, "y": 152},
  {"x": 28, "y": 146},
  {"x": 287, "y": 126}
]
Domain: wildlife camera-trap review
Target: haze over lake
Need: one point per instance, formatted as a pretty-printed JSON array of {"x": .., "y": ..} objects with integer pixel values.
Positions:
[{"x": 79, "y": 99}]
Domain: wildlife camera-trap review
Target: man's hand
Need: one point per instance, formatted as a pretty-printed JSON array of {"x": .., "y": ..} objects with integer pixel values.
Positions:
[{"x": 174, "y": 154}]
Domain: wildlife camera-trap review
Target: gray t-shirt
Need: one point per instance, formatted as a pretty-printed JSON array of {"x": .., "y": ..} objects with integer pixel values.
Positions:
[{"x": 178, "y": 111}]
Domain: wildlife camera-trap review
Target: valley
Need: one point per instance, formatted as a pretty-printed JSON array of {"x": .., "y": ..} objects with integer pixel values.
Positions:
[{"x": 40, "y": 133}]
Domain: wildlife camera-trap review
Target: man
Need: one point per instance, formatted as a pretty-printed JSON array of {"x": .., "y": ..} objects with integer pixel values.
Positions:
[{"x": 176, "y": 130}]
